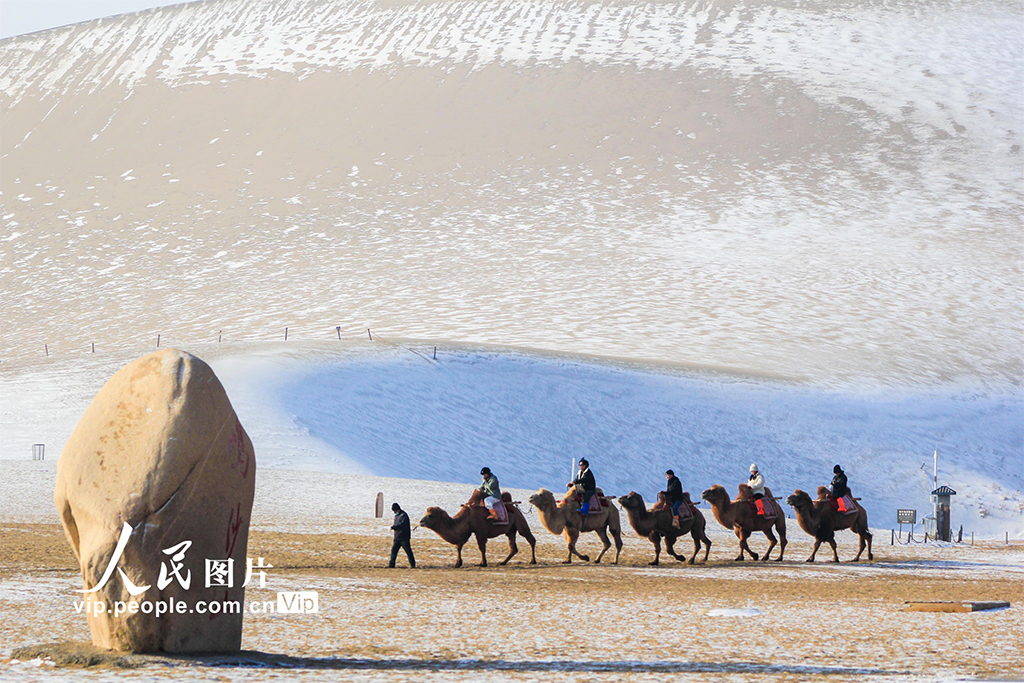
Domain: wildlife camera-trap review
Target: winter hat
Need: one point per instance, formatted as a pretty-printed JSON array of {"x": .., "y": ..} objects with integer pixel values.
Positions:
[
  {"x": 753, "y": 467},
  {"x": 837, "y": 469},
  {"x": 670, "y": 473},
  {"x": 395, "y": 507},
  {"x": 486, "y": 470}
]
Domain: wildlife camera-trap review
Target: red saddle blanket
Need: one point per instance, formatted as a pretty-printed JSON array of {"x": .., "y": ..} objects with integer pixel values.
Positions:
[{"x": 769, "y": 508}]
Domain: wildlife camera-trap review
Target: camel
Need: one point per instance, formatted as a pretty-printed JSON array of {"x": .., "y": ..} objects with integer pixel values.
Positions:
[
  {"x": 570, "y": 524},
  {"x": 818, "y": 519},
  {"x": 739, "y": 516},
  {"x": 472, "y": 520},
  {"x": 657, "y": 522}
]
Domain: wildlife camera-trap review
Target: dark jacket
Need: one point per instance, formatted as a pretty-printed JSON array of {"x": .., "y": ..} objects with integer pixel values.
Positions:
[
  {"x": 490, "y": 487},
  {"x": 401, "y": 526},
  {"x": 586, "y": 480},
  {"x": 839, "y": 487},
  {"x": 674, "y": 492}
]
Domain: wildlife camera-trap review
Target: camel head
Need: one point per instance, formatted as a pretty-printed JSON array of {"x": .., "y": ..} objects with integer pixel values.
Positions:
[
  {"x": 543, "y": 498},
  {"x": 715, "y": 495},
  {"x": 799, "y": 500},
  {"x": 433, "y": 518},
  {"x": 632, "y": 501}
]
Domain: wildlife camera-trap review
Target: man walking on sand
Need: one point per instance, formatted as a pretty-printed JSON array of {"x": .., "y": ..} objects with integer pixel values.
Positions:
[{"x": 403, "y": 536}]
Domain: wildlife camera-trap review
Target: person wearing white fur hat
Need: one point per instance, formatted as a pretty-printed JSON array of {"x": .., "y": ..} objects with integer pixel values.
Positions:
[{"x": 756, "y": 484}]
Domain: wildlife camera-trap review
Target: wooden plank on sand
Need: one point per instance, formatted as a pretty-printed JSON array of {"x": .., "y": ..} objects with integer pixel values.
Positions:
[{"x": 950, "y": 606}]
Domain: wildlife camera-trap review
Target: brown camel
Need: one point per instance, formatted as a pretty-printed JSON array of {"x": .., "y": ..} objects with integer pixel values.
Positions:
[
  {"x": 740, "y": 517},
  {"x": 818, "y": 519},
  {"x": 568, "y": 522},
  {"x": 472, "y": 521},
  {"x": 657, "y": 523}
]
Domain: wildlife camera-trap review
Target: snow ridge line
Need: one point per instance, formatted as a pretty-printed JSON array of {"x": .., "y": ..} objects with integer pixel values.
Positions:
[{"x": 958, "y": 49}]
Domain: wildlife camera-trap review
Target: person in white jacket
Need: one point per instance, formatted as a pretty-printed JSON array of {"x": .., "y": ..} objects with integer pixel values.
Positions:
[{"x": 756, "y": 484}]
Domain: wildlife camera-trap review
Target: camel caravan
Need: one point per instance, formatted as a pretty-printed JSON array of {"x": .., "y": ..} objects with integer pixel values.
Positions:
[{"x": 584, "y": 508}]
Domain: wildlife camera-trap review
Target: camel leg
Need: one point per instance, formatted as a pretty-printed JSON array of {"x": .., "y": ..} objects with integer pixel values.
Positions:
[
  {"x": 655, "y": 538},
  {"x": 571, "y": 536},
  {"x": 707, "y": 546},
  {"x": 860, "y": 549},
  {"x": 618, "y": 544},
  {"x": 695, "y": 535},
  {"x": 528, "y": 535},
  {"x": 513, "y": 548},
  {"x": 458, "y": 553},
  {"x": 817, "y": 544},
  {"x": 603, "y": 535},
  {"x": 782, "y": 545},
  {"x": 772, "y": 543},
  {"x": 865, "y": 540},
  {"x": 835, "y": 553},
  {"x": 744, "y": 535},
  {"x": 481, "y": 542},
  {"x": 670, "y": 548}
]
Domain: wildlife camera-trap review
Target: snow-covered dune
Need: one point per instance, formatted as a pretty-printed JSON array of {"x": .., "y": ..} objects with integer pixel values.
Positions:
[
  {"x": 828, "y": 190},
  {"x": 531, "y": 417}
]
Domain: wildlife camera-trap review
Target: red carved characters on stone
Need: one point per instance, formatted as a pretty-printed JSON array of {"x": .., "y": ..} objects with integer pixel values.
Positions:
[{"x": 236, "y": 444}]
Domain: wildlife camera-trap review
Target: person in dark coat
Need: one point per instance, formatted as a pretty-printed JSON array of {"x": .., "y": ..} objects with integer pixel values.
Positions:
[
  {"x": 674, "y": 495},
  {"x": 403, "y": 536},
  {"x": 839, "y": 487},
  {"x": 585, "y": 480},
  {"x": 492, "y": 493}
]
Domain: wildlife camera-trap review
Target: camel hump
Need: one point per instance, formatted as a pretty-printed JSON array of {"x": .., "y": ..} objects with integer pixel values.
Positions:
[
  {"x": 768, "y": 492},
  {"x": 506, "y": 497},
  {"x": 823, "y": 493},
  {"x": 599, "y": 492},
  {"x": 744, "y": 492},
  {"x": 686, "y": 497}
]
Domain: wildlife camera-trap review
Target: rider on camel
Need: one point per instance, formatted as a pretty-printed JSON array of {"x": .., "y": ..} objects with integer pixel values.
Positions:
[
  {"x": 584, "y": 479},
  {"x": 491, "y": 491},
  {"x": 674, "y": 495},
  {"x": 756, "y": 484},
  {"x": 839, "y": 488}
]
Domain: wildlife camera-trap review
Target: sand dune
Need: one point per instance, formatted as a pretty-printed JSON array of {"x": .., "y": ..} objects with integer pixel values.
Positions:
[{"x": 826, "y": 191}]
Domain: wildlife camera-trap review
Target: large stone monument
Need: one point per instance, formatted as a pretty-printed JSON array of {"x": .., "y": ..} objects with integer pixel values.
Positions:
[{"x": 155, "y": 488}]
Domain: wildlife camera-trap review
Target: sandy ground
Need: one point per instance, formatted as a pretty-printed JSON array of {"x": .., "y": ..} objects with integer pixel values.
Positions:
[{"x": 578, "y": 622}]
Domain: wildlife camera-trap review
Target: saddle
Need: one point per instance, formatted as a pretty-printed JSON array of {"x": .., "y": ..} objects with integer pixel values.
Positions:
[
  {"x": 686, "y": 510},
  {"x": 849, "y": 505},
  {"x": 597, "y": 502},
  {"x": 499, "y": 515},
  {"x": 768, "y": 501}
]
